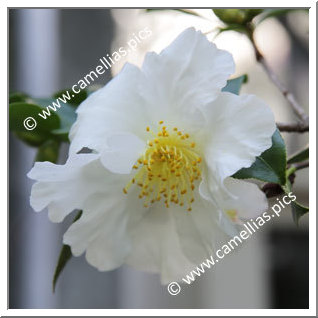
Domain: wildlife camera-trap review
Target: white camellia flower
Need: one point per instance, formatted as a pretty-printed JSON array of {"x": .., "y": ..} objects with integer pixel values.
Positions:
[{"x": 156, "y": 191}]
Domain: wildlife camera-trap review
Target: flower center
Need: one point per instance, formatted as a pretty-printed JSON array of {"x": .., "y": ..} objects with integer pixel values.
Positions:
[{"x": 168, "y": 168}]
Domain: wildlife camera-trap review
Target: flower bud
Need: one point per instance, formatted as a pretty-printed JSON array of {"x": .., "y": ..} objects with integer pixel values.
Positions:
[{"x": 236, "y": 16}]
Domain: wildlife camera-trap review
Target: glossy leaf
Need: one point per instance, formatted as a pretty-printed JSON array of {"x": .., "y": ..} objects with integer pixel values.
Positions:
[
  {"x": 270, "y": 166},
  {"x": 64, "y": 257},
  {"x": 298, "y": 210},
  {"x": 299, "y": 156},
  {"x": 17, "y": 97},
  {"x": 76, "y": 100},
  {"x": 32, "y": 138},
  {"x": 66, "y": 114},
  {"x": 234, "y": 85},
  {"x": 19, "y": 111}
]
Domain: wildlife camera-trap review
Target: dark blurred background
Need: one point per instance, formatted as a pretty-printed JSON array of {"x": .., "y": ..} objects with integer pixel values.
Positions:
[{"x": 51, "y": 49}]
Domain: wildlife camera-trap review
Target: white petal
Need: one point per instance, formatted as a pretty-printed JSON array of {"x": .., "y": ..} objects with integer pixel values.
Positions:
[
  {"x": 244, "y": 198},
  {"x": 174, "y": 241},
  {"x": 101, "y": 231},
  {"x": 117, "y": 107},
  {"x": 217, "y": 196},
  {"x": 227, "y": 225},
  {"x": 172, "y": 87},
  {"x": 64, "y": 188},
  {"x": 199, "y": 231},
  {"x": 240, "y": 128},
  {"x": 188, "y": 74},
  {"x": 156, "y": 246},
  {"x": 122, "y": 152},
  {"x": 193, "y": 244},
  {"x": 249, "y": 200}
]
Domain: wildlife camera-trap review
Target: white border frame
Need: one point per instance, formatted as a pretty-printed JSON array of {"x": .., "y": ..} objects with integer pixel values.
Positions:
[{"x": 312, "y": 180}]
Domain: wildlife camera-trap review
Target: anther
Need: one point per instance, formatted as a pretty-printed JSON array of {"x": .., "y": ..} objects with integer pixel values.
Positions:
[{"x": 168, "y": 168}]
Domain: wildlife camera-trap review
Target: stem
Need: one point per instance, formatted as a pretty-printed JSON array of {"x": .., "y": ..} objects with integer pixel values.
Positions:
[
  {"x": 290, "y": 171},
  {"x": 300, "y": 165},
  {"x": 274, "y": 189},
  {"x": 299, "y": 127},
  {"x": 298, "y": 110}
]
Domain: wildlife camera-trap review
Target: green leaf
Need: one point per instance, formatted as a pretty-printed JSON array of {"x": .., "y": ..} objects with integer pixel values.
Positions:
[
  {"x": 24, "y": 112},
  {"x": 234, "y": 85},
  {"x": 298, "y": 210},
  {"x": 17, "y": 97},
  {"x": 19, "y": 112},
  {"x": 34, "y": 139},
  {"x": 299, "y": 156},
  {"x": 270, "y": 166},
  {"x": 48, "y": 151},
  {"x": 64, "y": 257},
  {"x": 66, "y": 114},
  {"x": 76, "y": 100}
]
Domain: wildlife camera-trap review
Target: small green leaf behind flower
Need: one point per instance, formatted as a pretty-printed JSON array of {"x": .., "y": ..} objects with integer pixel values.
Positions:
[
  {"x": 53, "y": 125},
  {"x": 270, "y": 166},
  {"x": 20, "y": 111},
  {"x": 18, "y": 97},
  {"x": 298, "y": 210},
  {"x": 76, "y": 99},
  {"x": 299, "y": 156},
  {"x": 64, "y": 257},
  {"x": 67, "y": 116}
]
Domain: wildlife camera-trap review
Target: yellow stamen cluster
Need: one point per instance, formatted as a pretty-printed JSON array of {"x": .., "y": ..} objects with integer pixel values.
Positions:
[{"x": 168, "y": 168}]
